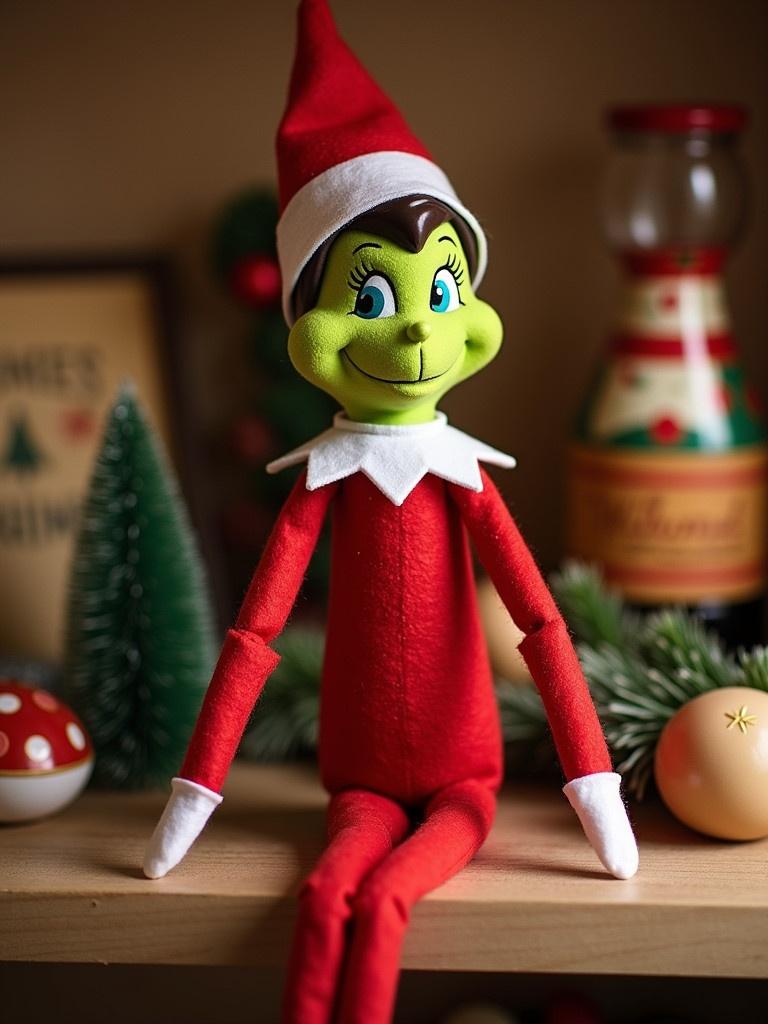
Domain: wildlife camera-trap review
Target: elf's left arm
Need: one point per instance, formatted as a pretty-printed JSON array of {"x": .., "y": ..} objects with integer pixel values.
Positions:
[{"x": 592, "y": 787}]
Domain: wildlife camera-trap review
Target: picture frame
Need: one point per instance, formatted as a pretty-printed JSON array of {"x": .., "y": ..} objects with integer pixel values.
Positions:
[{"x": 71, "y": 332}]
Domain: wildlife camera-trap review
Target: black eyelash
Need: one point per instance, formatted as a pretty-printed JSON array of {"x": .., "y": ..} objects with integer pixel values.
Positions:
[
  {"x": 359, "y": 275},
  {"x": 453, "y": 263}
]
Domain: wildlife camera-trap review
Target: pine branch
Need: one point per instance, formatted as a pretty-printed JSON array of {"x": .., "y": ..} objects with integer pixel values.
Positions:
[
  {"x": 753, "y": 666},
  {"x": 676, "y": 643},
  {"x": 284, "y": 724},
  {"x": 632, "y": 712},
  {"x": 595, "y": 614},
  {"x": 640, "y": 671},
  {"x": 521, "y": 712}
]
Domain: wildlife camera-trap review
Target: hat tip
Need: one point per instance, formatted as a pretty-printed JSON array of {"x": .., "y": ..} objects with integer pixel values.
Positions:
[{"x": 314, "y": 8}]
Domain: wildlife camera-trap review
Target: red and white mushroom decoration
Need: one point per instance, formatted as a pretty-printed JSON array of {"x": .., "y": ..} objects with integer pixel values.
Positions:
[{"x": 46, "y": 757}]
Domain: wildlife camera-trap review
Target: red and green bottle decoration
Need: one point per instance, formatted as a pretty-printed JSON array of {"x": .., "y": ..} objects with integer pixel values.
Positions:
[
  {"x": 669, "y": 466},
  {"x": 668, "y": 481},
  {"x": 672, "y": 379}
]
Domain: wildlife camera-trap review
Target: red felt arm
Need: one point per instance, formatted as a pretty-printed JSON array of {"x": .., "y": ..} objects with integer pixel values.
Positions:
[
  {"x": 246, "y": 661},
  {"x": 547, "y": 648}
]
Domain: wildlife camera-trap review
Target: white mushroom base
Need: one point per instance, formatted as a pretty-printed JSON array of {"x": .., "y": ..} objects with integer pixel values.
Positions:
[{"x": 24, "y": 797}]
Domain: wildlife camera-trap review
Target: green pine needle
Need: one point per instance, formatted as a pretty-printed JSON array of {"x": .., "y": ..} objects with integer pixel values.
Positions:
[
  {"x": 140, "y": 637},
  {"x": 595, "y": 614},
  {"x": 753, "y": 666},
  {"x": 640, "y": 669},
  {"x": 284, "y": 724}
]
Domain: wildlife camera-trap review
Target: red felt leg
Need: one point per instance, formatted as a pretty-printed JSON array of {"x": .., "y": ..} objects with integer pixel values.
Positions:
[
  {"x": 363, "y": 827},
  {"x": 457, "y": 821}
]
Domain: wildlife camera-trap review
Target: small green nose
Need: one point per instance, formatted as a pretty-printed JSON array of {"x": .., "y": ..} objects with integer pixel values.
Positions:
[{"x": 419, "y": 331}]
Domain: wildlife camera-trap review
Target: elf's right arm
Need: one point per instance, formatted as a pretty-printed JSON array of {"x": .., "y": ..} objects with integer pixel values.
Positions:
[{"x": 245, "y": 663}]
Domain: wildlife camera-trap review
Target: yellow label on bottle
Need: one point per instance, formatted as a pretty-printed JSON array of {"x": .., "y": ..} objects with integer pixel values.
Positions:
[{"x": 676, "y": 527}]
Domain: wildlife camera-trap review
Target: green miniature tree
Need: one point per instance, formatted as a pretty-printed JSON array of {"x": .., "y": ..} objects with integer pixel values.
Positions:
[{"x": 140, "y": 636}]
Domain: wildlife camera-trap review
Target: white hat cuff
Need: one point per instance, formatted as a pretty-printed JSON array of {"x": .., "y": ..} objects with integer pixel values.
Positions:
[{"x": 337, "y": 196}]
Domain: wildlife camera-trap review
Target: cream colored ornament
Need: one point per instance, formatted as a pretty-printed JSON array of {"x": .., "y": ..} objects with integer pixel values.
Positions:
[
  {"x": 711, "y": 763},
  {"x": 501, "y": 635}
]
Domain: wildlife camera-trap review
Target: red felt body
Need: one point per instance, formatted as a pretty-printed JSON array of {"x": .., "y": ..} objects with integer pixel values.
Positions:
[
  {"x": 407, "y": 703},
  {"x": 409, "y": 722}
]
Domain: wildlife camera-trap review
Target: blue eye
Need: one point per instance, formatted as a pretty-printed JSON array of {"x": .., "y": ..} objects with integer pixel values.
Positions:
[
  {"x": 375, "y": 299},
  {"x": 444, "y": 296}
]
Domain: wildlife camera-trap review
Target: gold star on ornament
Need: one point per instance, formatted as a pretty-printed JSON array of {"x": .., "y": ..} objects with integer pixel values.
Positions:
[{"x": 740, "y": 719}]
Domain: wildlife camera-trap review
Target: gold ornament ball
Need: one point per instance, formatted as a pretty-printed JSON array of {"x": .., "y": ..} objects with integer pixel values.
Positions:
[{"x": 711, "y": 763}]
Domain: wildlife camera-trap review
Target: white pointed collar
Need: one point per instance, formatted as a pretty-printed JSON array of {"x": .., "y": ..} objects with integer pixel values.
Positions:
[{"x": 394, "y": 458}]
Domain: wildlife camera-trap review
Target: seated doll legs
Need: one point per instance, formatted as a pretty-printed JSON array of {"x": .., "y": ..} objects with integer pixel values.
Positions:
[{"x": 369, "y": 877}]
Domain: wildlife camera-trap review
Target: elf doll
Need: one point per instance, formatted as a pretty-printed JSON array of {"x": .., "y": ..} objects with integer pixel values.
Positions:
[{"x": 380, "y": 264}]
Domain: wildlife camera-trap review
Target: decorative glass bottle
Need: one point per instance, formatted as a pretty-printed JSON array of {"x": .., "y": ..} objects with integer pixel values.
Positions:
[{"x": 667, "y": 479}]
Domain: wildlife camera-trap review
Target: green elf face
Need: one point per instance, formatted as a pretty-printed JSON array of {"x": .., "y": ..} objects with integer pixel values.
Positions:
[{"x": 392, "y": 330}]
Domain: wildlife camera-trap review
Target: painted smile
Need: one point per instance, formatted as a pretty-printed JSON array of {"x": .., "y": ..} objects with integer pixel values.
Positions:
[{"x": 387, "y": 380}]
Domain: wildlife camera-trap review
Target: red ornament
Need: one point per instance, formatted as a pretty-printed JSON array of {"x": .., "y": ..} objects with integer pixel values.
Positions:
[
  {"x": 46, "y": 756},
  {"x": 256, "y": 281},
  {"x": 78, "y": 424},
  {"x": 252, "y": 439},
  {"x": 666, "y": 430}
]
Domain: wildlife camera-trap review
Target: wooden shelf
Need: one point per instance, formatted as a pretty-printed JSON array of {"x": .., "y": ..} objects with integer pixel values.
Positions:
[{"x": 534, "y": 900}]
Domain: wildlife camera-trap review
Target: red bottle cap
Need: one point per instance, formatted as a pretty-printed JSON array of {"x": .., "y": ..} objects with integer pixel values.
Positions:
[{"x": 679, "y": 118}]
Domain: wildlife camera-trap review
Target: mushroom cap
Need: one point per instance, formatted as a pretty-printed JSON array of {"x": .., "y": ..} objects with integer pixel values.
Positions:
[{"x": 39, "y": 734}]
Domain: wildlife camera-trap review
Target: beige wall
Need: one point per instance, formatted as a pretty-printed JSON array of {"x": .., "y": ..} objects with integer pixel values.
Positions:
[{"x": 126, "y": 124}]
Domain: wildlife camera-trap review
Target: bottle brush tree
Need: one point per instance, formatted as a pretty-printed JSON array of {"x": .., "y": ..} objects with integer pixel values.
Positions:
[{"x": 140, "y": 640}]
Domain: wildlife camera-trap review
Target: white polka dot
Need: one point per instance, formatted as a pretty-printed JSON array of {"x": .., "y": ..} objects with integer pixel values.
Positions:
[
  {"x": 5, "y": 744},
  {"x": 45, "y": 701},
  {"x": 9, "y": 703},
  {"x": 37, "y": 748},
  {"x": 75, "y": 736}
]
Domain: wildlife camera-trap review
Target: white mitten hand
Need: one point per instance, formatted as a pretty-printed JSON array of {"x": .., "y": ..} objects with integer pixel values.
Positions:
[
  {"x": 597, "y": 801},
  {"x": 188, "y": 809}
]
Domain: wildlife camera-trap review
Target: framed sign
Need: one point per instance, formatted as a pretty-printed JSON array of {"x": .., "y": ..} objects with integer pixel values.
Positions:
[{"x": 70, "y": 334}]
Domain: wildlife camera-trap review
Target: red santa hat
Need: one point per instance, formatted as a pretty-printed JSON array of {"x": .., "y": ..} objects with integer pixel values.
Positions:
[{"x": 342, "y": 149}]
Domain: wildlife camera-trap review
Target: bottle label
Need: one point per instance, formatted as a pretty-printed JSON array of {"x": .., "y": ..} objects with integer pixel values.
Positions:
[{"x": 672, "y": 527}]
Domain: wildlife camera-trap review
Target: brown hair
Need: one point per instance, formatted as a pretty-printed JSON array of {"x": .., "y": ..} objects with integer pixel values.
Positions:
[{"x": 408, "y": 222}]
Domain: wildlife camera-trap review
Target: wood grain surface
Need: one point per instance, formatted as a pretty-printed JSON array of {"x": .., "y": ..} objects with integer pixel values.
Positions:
[{"x": 535, "y": 899}]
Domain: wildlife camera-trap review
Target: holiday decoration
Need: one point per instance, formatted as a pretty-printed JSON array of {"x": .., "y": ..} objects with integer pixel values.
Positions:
[
  {"x": 285, "y": 722},
  {"x": 711, "y": 766},
  {"x": 380, "y": 262},
  {"x": 641, "y": 670},
  {"x": 257, "y": 281},
  {"x": 46, "y": 756},
  {"x": 669, "y": 472},
  {"x": 283, "y": 409},
  {"x": 140, "y": 628}
]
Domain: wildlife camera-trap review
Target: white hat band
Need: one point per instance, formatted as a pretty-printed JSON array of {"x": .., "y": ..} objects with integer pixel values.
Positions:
[{"x": 336, "y": 197}]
